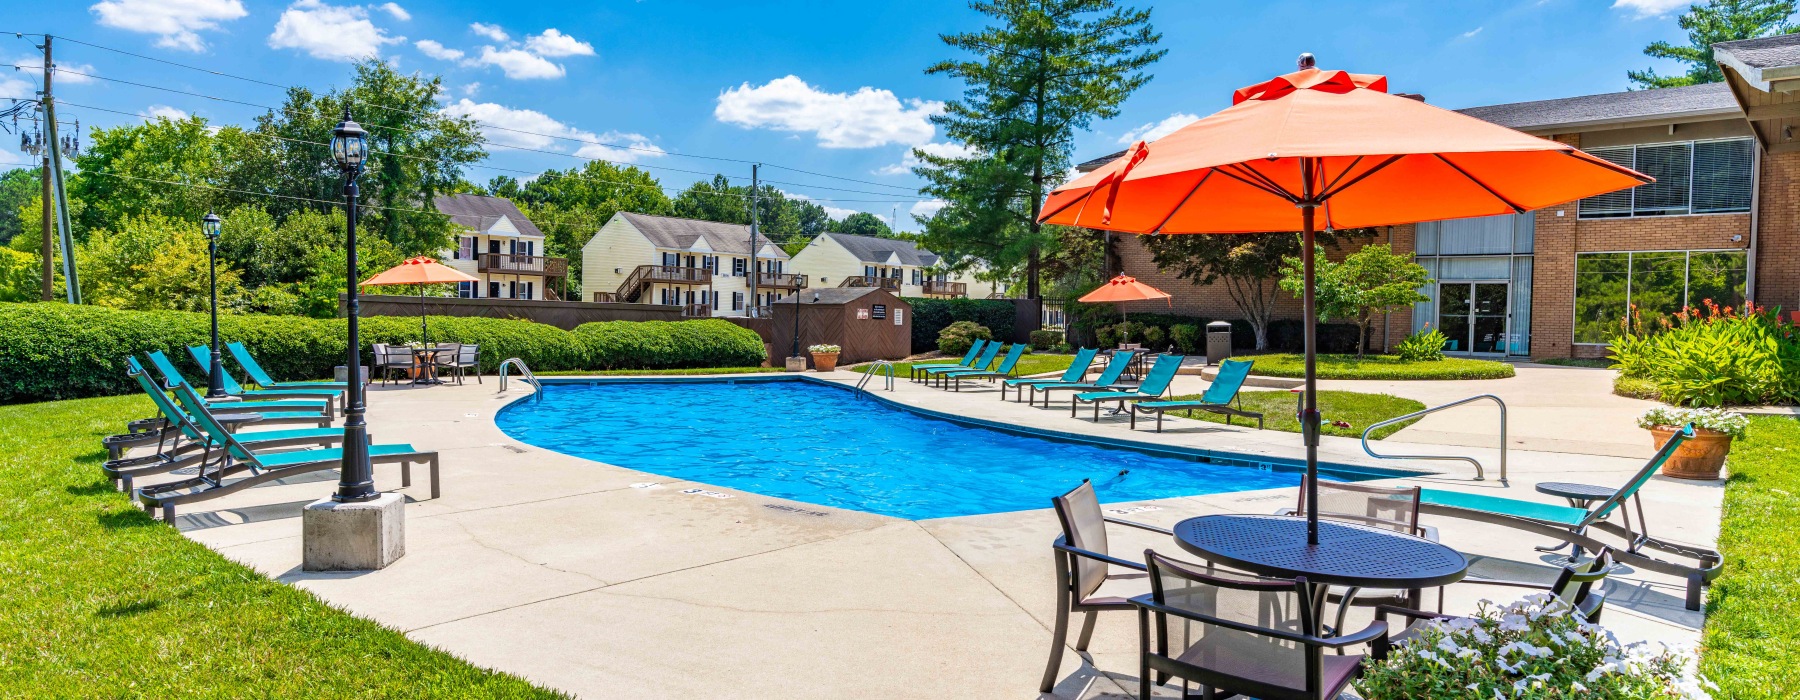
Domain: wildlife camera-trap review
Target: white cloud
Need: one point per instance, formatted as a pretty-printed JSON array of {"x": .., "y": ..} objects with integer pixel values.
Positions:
[
  {"x": 1157, "y": 130},
  {"x": 396, "y": 10},
  {"x": 10, "y": 158},
  {"x": 437, "y": 50},
  {"x": 329, "y": 32},
  {"x": 1651, "y": 8},
  {"x": 942, "y": 150},
  {"x": 519, "y": 64},
  {"x": 862, "y": 119},
  {"x": 927, "y": 208},
  {"x": 12, "y": 86},
  {"x": 470, "y": 89},
  {"x": 176, "y": 23},
  {"x": 525, "y": 128},
  {"x": 1471, "y": 33},
  {"x": 66, "y": 72},
  {"x": 163, "y": 112},
  {"x": 491, "y": 31},
  {"x": 831, "y": 211},
  {"x": 553, "y": 43}
]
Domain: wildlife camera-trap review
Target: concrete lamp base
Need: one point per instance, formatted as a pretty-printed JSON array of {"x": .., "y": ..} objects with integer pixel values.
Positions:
[
  {"x": 359, "y": 536},
  {"x": 796, "y": 364}
]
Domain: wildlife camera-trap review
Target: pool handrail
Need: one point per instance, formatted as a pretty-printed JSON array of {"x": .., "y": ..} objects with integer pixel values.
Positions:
[
  {"x": 524, "y": 372},
  {"x": 1480, "y": 474},
  {"x": 869, "y": 372}
]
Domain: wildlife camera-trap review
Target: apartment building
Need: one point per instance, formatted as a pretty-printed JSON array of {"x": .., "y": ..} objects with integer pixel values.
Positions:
[
  {"x": 895, "y": 264},
  {"x": 702, "y": 266},
  {"x": 500, "y": 246}
]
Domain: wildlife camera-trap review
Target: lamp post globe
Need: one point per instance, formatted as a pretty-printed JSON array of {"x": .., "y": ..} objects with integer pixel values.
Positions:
[
  {"x": 215, "y": 372},
  {"x": 356, "y": 476}
]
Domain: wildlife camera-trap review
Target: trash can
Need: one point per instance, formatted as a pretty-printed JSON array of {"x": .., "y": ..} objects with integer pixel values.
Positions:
[{"x": 1218, "y": 342}]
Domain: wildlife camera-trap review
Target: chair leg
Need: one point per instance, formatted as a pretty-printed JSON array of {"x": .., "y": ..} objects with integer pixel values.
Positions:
[
  {"x": 1087, "y": 631},
  {"x": 1060, "y": 635},
  {"x": 1143, "y": 654},
  {"x": 434, "y": 476}
]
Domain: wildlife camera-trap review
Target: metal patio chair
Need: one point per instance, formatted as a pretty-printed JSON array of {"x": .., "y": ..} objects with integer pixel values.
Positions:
[
  {"x": 1578, "y": 584},
  {"x": 390, "y": 359},
  {"x": 1085, "y": 582},
  {"x": 1387, "y": 507}
]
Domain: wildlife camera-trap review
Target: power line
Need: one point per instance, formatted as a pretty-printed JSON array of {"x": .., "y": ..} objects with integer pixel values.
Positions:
[{"x": 835, "y": 177}]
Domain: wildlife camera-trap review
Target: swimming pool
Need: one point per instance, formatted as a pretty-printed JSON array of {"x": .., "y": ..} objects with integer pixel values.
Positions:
[{"x": 819, "y": 444}]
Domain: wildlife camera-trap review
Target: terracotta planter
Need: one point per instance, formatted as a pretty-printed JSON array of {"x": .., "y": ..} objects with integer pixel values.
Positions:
[
  {"x": 1699, "y": 457},
  {"x": 825, "y": 361}
]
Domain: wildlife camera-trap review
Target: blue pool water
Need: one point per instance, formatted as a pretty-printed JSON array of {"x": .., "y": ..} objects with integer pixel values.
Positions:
[{"x": 820, "y": 444}]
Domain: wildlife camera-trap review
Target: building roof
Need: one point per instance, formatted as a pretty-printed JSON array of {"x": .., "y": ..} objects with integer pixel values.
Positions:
[
  {"x": 1088, "y": 166},
  {"x": 479, "y": 213},
  {"x": 1761, "y": 61},
  {"x": 879, "y": 251},
  {"x": 836, "y": 295},
  {"x": 678, "y": 233},
  {"x": 1663, "y": 104}
]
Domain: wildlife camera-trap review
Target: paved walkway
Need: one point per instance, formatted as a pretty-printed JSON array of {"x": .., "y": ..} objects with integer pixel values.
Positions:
[{"x": 608, "y": 582}]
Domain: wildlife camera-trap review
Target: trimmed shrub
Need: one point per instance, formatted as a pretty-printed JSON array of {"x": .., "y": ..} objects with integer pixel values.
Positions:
[
  {"x": 1186, "y": 337},
  {"x": 1046, "y": 339},
  {"x": 1155, "y": 338},
  {"x": 931, "y": 316},
  {"x": 1711, "y": 356},
  {"x": 956, "y": 338},
  {"x": 58, "y": 351}
]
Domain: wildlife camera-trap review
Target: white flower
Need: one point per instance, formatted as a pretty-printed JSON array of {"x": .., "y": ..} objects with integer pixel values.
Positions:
[{"x": 1514, "y": 623}]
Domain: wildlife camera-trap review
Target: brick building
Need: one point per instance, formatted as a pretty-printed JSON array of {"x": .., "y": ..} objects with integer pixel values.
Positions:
[{"x": 1721, "y": 222}]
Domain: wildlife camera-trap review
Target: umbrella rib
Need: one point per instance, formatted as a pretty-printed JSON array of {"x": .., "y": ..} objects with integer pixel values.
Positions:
[
  {"x": 1065, "y": 207},
  {"x": 1347, "y": 170},
  {"x": 1516, "y": 208},
  {"x": 1265, "y": 179},
  {"x": 1359, "y": 178},
  {"x": 1615, "y": 167},
  {"x": 1183, "y": 202},
  {"x": 1258, "y": 185}
]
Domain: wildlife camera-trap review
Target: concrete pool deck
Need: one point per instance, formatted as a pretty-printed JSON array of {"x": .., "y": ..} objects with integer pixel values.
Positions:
[{"x": 608, "y": 582}]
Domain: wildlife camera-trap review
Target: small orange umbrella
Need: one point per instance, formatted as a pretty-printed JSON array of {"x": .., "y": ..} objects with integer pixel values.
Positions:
[
  {"x": 421, "y": 271},
  {"x": 1329, "y": 144},
  {"x": 1122, "y": 289}
]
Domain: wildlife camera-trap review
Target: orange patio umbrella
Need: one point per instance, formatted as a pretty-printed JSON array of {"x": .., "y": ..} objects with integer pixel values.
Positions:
[
  {"x": 1327, "y": 148},
  {"x": 1122, "y": 289},
  {"x": 421, "y": 270}
]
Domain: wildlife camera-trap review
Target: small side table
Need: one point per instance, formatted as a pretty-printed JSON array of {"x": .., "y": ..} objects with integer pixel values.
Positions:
[{"x": 1581, "y": 496}]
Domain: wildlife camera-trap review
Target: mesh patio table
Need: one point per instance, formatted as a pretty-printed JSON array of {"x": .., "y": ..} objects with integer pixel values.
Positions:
[{"x": 1347, "y": 554}]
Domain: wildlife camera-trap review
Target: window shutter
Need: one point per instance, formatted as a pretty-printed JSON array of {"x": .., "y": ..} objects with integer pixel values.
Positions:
[
  {"x": 1722, "y": 176},
  {"x": 1672, "y": 166},
  {"x": 1611, "y": 203}
]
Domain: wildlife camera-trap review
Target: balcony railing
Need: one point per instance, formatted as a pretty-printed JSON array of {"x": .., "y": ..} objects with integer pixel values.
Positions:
[
  {"x": 891, "y": 284},
  {"x": 947, "y": 289},
  {"x": 781, "y": 280},
  {"x": 606, "y": 298},
  {"x": 673, "y": 274},
  {"x": 509, "y": 263},
  {"x": 696, "y": 310}
]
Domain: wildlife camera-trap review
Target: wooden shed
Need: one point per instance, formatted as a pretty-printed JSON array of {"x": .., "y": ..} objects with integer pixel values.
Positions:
[{"x": 867, "y": 322}]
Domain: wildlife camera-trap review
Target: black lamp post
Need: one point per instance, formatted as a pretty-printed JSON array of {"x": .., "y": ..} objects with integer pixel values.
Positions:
[
  {"x": 215, "y": 375},
  {"x": 356, "y": 477},
  {"x": 799, "y": 282}
]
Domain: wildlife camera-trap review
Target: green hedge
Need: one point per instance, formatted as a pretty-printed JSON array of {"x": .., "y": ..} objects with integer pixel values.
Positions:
[
  {"x": 931, "y": 316},
  {"x": 58, "y": 351}
]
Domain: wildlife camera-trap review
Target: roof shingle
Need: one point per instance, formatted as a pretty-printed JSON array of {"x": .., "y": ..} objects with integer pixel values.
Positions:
[
  {"x": 674, "y": 232},
  {"x": 1709, "y": 99},
  {"x": 478, "y": 213},
  {"x": 870, "y": 249}
]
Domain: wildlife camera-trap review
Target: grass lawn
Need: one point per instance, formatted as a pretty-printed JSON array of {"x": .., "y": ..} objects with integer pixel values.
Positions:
[
  {"x": 1034, "y": 363},
  {"x": 658, "y": 372},
  {"x": 1598, "y": 362},
  {"x": 96, "y": 600},
  {"x": 1359, "y": 409},
  {"x": 1752, "y": 643},
  {"x": 1378, "y": 367}
]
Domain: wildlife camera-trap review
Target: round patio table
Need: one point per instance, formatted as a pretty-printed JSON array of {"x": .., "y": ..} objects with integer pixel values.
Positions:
[
  {"x": 1581, "y": 496},
  {"x": 1347, "y": 554},
  {"x": 426, "y": 360}
]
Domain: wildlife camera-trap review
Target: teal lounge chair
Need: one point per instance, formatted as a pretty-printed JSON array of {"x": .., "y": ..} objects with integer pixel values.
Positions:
[
  {"x": 203, "y": 356},
  {"x": 186, "y": 444},
  {"x": 271, "y": 412},
  {"x": 233, "y": 457},
  {"x": 1156, "y": 381},
  {"x": 1571, "y": 524},
  {"x": 985, "y": 361},
  {"x": 1004, "y": 370},
  {"x": 1109, "y": 377},
  {"x": 1078, "y": 368},
  {"x": 967, "y": 362},
  {"x": 251, "y": 400},
  {"x": 255, "y": 371},
  {"x": 1217, "y": 399}
]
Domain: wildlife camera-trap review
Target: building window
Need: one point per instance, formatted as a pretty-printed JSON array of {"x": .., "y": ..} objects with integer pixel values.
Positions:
[
  {"x": 1694, "y": 177},
  {"x": 465, "y": 290},
  {"x": 737, "y": 301},
  {"x": 868, "y": 270},
  {"x": 1657, "y": 283},
  {"x": 465, "y": 248},
  {"x": 671, "y": 260},
  {"x": 737, "y": 267},
  {"x": 525, "y": 290},
  {"x": 918, "y": 277}
]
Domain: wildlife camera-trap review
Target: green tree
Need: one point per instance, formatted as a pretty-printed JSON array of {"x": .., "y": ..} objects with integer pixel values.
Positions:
[
  {"x": 1248, "y": 264},
  {"x": 152, "y": 262},
  {"x": 18, "y": 275},
  {"x": 1044, "y": 69},
  {"x": 1369, "y": 282},
  {"x": 1710, "y": 23},
  {"x": 125, "y": 170},
  {"x": 863, "y": 223},
  {"x": 569, "y": 206},
  {"x": 18, "y": 188}
]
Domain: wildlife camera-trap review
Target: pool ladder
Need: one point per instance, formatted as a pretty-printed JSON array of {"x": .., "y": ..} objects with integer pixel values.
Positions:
[
  {"x": 1479, "y": 473},
  {"x": 538, "y": 393},
  {"x": 869, "y": 373}
]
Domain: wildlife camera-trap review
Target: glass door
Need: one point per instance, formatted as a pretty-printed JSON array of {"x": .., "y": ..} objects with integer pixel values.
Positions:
[{"x": 1472, "y": 316}]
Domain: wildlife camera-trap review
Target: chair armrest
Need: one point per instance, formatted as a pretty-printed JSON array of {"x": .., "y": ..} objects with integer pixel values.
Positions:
[
  {"x": 1428, "y": 532},
  {"x": 1077, "y": 551},
  {"x": 1288, "y": 511},
  {"x": 1382, "y": 611},
  {"x": 1141, "y": 526},
  {"x": 1376, "y": 630}
]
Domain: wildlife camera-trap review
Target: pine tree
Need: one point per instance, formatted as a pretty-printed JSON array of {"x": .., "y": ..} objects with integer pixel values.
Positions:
[{"x": 1714, "y": 22}]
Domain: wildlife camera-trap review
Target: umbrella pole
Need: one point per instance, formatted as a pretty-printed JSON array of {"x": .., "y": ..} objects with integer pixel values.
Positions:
[
  {"x": 1309, "y": 414},
  {"x": 424, "y": 326}
]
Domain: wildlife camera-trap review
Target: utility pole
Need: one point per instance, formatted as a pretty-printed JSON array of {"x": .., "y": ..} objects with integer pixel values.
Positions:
[
  {"x": 47, "y": 203},
  {"x": 755, "y": 269},
  {"x": 53, "y": 147}
]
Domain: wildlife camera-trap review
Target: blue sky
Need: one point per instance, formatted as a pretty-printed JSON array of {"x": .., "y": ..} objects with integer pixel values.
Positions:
[{"x": 831, "y": 87}]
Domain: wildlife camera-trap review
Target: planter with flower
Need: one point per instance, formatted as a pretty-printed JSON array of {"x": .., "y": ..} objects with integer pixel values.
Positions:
[
  {"x": 824, "y": 356},
  {"x": 1535, "y": 648},
  {"x": 1703, "y": 455}
]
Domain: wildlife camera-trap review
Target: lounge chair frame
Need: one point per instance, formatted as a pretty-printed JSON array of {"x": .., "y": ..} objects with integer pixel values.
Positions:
[
  {"x": 1122, "y": 358},
  {"x": 1229, "y": 409},
  {"x": 967, "y": 361},
  {"x": 1004, "y": 370},
  {"x": 1140, "y": 395},
  {"x": 1079, "y": 366},
  {"x": 263, "y": 379},
  {"x": 984, "y": 361}
]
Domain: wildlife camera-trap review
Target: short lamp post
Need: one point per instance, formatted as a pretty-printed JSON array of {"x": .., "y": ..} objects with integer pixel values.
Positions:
[
  {"x": 356, "y": 478},
  {"x": 215, "y": 374},
  {"x": 799, "y": 283}
]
